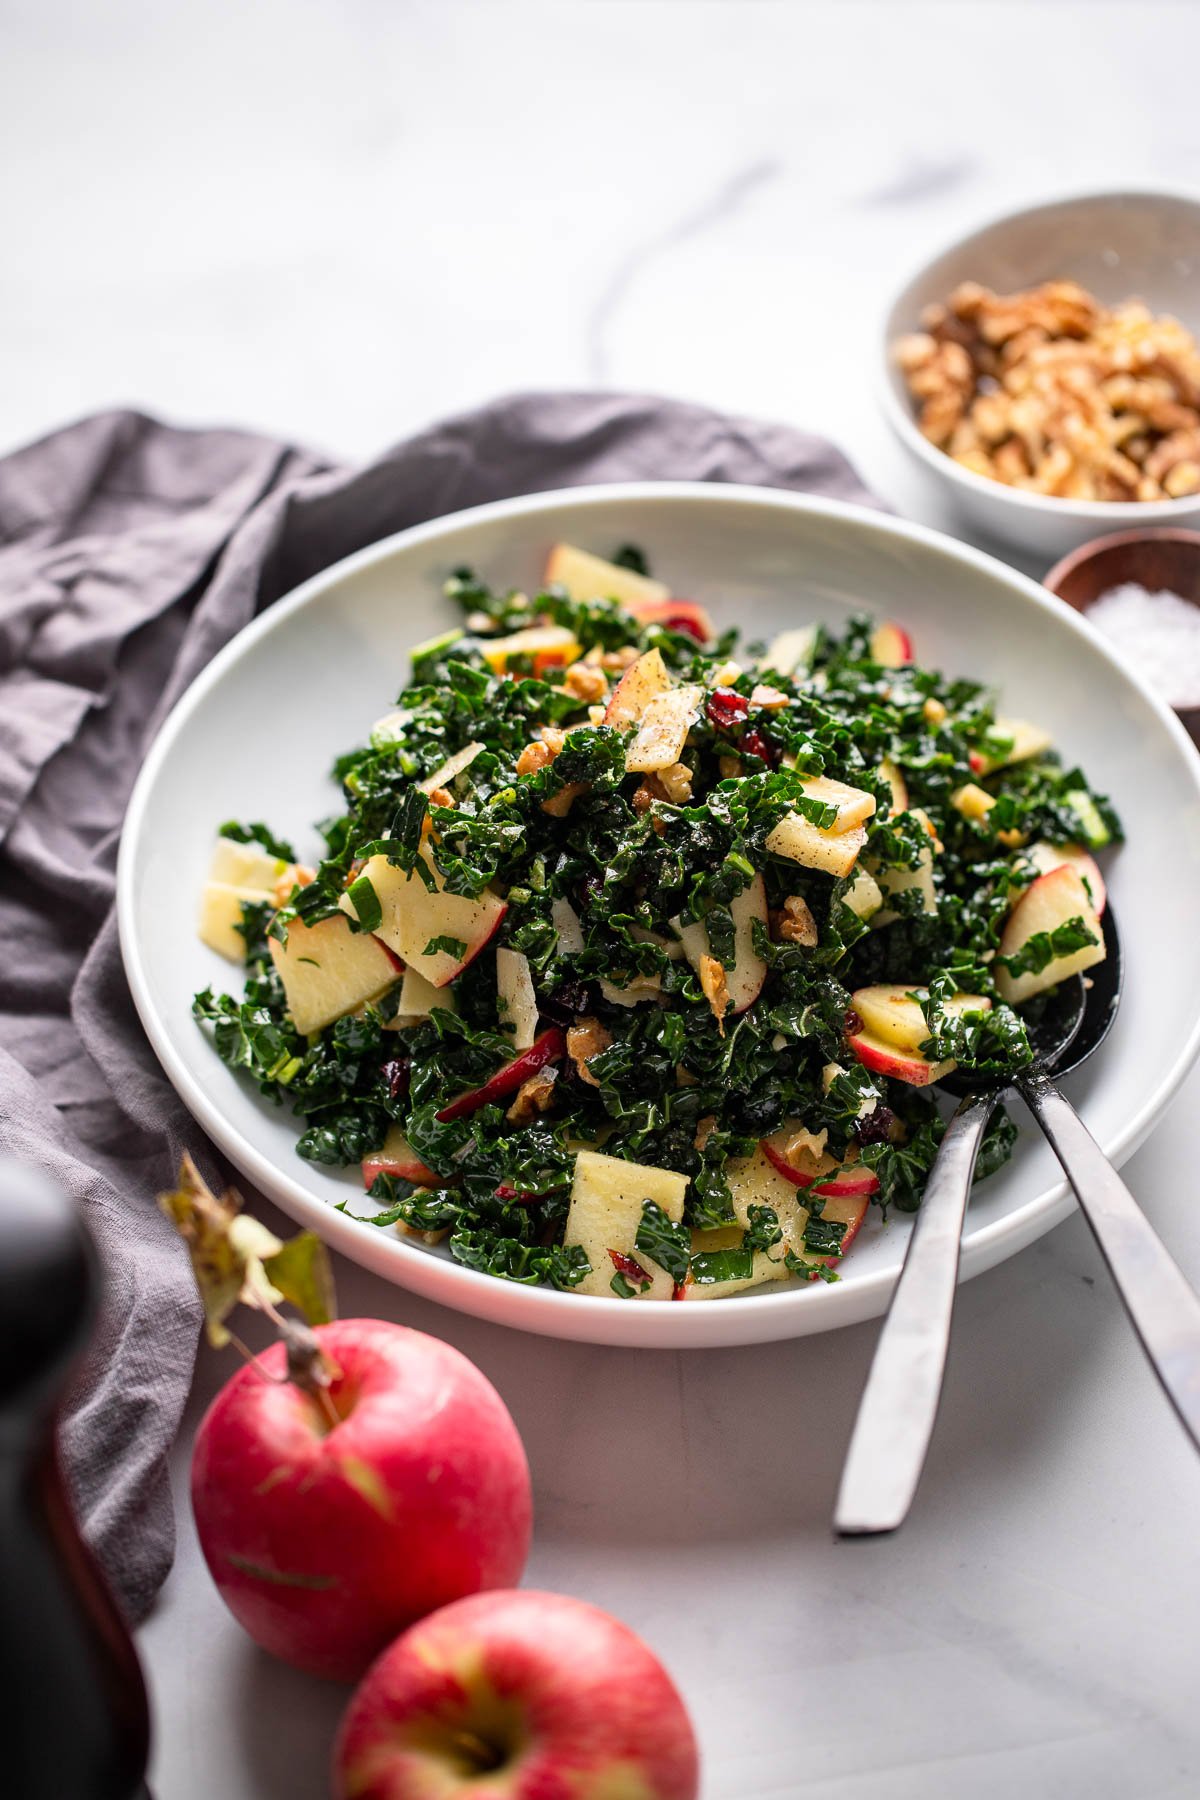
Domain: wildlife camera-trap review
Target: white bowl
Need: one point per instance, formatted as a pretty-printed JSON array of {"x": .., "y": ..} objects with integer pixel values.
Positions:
[
  {"x": 1118, "y": 245},
  {"x": 255, "y": 735}
]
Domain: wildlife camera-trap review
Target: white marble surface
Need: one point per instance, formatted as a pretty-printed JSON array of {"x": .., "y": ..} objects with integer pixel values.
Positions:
[{"x": 337, "y": 220}]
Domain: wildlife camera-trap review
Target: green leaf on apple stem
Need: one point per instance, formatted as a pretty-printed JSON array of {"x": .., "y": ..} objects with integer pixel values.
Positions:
[{"x": 303, "y": 1274}]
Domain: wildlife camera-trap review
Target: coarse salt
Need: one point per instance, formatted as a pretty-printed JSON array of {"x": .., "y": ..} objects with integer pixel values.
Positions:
[{"x": 1158, "y": 634}]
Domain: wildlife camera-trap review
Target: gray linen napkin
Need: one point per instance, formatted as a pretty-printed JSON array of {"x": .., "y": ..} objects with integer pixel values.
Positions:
[{"x": 130, "y": 552}]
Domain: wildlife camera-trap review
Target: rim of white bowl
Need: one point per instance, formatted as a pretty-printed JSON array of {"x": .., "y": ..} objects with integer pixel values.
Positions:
[
  {"x": 899, "y": 414},
  {"x": 550, "y": 1311}
]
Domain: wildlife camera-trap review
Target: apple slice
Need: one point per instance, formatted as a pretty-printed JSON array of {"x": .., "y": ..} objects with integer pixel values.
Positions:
[
  {"x": 542, "y": 644},
  {"x": 518, "y": 1002},
  {"x": 247, "y": 866},
  {"x": 397, "y": 1157},
  {"x": 550, "y": 1047},
  {"x": 863, "y": 896},
  {"x": 1051, "y": 900},
  {"x": 835, "y": 852},
  {"x": 569, "y": 926},
  {"x": 902, "y": 1065},
  {"x": 1045, "y": 857},
  {"x": 588, "y": 577},
  {"x": 791, "y": 650},
  {"x": 823, "y": 1174},
  {"x": 744, "y": 982},
  {"x": 663, "y": 728},
  {"x": 972, "y": 801},
  {"x": 899, "y": 881},
  {"x": 221, "y": 916},
  {"x": 752, "y": 1182},
  {"x": 418, "y": 998},
  {"x": 642, "y": 682},
  {"x": 454, "y": 765},
  {"x": 328, "y": 970},
  {"x": 890, "y": 1014},
  {"x": 891, "y": 646},
  {"x": 607, "y": 1197},
  {"x": 413, "y": 917},
  {"x": 1027, "y": 741},
  {"x": 894, "y": 776},
  {"x": 854, "y": 805},
  {"x": 848, "y": 1209}
]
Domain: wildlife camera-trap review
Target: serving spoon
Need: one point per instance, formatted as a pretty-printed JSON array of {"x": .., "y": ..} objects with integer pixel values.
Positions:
[{"x": 899, "y": 1404}]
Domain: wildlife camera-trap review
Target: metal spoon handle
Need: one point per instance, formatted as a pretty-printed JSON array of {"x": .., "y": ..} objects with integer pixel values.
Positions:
[
  {"x": 899, "y": 1404},
  {"x": 1164, "y": 1310}
]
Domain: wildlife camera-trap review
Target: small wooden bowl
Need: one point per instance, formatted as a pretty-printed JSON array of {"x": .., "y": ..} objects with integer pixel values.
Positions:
[{"x": 1156, "y": 560}]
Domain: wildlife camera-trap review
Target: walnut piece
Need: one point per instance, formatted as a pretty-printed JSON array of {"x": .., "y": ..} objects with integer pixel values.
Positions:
[
  {"x": 532, "y": 1097},
  {"x": 585, "y": 1039},
  {"x": 715, "y": 989},
  {"x": 796, "y": 923},
  {"x": 584, "y": 682}
]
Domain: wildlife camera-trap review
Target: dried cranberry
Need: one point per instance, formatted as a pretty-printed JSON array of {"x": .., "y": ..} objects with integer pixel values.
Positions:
[
  {"x": 397, "y": 1072},
  {"x": 755, "y": 744},
  {"x": 876, "y": 1127},
  {"x": 591, "y": 890},
  {"x": 630, "y": 1268},
  {"x": 523, "y": 1196},
  {"x": 727, "y": 708},
  {"x": 570, "y": 1001},
  {"x": 686, "y": 622},
  {"x": 852, "y": 1022}
]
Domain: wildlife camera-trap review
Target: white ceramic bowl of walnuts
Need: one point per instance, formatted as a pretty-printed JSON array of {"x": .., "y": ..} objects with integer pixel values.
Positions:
[{"x": 1020, "y": 374}]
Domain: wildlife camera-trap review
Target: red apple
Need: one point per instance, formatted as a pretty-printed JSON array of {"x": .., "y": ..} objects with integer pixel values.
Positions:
[
  {"x": 414, "y": 917},
  {"x": 1045, "y": 857},
  {"x": 891, "y": 645},
  {"x": 1051, "y": 901},
  {"x": 551, "y": 1046},
  {"x": 517, "y": 1696},
  {"x": 901, "y": 1065},
  {"x": 641, "y": 683},
  {"x": 397, "y": 1157},
  {"x": 847, "y": 1181},
  {"x": 325, "y": 1541}
]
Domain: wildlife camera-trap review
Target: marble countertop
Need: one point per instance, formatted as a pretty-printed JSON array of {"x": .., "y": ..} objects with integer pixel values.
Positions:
[{"x": 336, "y": 221}]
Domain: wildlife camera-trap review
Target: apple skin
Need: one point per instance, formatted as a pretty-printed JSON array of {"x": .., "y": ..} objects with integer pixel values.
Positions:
[
  {"x": 846, "y": 1183},
  {"x": 901, "y": 1065},
  {"x": 891, "y": 645},
  {"x": 687, "y": 616},
  {"x": 326, "y": 1542},
  {"x": 517, "y": 1696},
  {"x": 551, "y": 1046},
  {"x": 397, "y": 1157}
]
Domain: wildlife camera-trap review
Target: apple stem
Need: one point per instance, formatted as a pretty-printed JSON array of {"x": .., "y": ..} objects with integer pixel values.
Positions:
[{"x": 308, "y": 1367}]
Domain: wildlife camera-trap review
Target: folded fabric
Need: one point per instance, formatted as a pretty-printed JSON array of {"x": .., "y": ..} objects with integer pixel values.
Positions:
[{"x": 130, "y": 552}]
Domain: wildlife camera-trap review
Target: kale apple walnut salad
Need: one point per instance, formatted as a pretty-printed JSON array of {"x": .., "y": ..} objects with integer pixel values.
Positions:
[{"x": 631, "y": 961}]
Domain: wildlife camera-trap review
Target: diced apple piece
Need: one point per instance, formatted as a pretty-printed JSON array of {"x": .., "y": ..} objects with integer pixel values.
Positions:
[
  {"x": 890, "y": 1014},
  {"x": 569, "y": 926},
  {"x": 587, "y": 577},
  {"x": 638, "y": 992},
  {"x": 328, "y": 970},
  {"x": 891, "y": 646},
  {"x": 247, "y": 866},
  {"x": 848, "y": 1209},
  {"x": 550, "y": 1047},
  {"x": 894, "y": 777},
  {"x": 607, "y": 1197},
  {"x": 221, "y": 916},
  {"x": 752, "y": 1182},
  {"x": 834, "y": 852},
  {"x": 642, "y": 682},
  {"x": 418, "y": 998},
  {"x": 414, "y": 917},
  {"x": 1045, "y": 857},
  {"x": 791, "y": 650},
  {"x": 663, "y": 728},
  {"x": 454, "y": 765},
  {"x": 855, "y": 806},
  {"x": 863, "y": 896},
  {"x": 972, "y": 801},
  {"x": 397, "y": 1157},
  {"x": 901, "y": 1065},
  {"x": 1051, "y": 900},
  {"x": 744, "y": 982},
  {"x": 518, "y": 1002},
  {"x": 899, "y": 881},
  {"x": 545, "y": 645},
  {"x": 796, "y": 1164},
  {"x": 1027, "y": 741}
]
